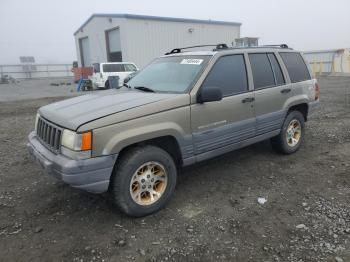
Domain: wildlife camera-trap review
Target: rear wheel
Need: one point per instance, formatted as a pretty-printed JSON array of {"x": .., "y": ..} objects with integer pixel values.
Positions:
[
  {"x": 107, "y": 84},
  {"x": 144, "y": 180},
  {"x": 292, "y": 134}
]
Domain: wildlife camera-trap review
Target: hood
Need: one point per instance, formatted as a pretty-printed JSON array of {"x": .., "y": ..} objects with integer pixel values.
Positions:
[{"x": 74, "y": 112}]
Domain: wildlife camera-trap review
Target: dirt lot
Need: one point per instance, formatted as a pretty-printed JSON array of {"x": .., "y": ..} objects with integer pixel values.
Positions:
[{"x": 214, "y": 213}]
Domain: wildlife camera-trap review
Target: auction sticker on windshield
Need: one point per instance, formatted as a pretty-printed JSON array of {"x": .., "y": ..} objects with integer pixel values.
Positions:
[{"x": 191, "y": 61}]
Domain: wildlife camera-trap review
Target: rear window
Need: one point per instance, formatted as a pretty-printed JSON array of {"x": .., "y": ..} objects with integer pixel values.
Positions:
[
  {"x": 96, "y": 67},
  {"x": 113, "y": 68},
  {"x": 296, "y": 67}
]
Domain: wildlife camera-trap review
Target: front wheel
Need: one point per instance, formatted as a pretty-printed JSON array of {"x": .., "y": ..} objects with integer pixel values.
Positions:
[
  {"x": 143, "y": 180},
  {"x": 292, "y": 134}
]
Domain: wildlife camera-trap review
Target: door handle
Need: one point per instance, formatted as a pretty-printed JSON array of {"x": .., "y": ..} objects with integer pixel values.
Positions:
[
  {"x": 248, "y": 100},
  {"x": 285, "y": 91}
]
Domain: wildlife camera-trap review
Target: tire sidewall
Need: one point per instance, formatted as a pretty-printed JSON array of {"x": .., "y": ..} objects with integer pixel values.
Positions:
[
  {"x": 123, "y": 180},
  {"x": 294, "y": 115},
  {"x": 107, "y": 84}
]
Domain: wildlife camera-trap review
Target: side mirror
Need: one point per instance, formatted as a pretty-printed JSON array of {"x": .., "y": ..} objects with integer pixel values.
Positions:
[
  {"x": 127, "y": 79},
  {"x": 209, "y": 94}
]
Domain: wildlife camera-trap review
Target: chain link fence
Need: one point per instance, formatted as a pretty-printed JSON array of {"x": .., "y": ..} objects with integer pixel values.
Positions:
[{"x": 28, "y": 71}]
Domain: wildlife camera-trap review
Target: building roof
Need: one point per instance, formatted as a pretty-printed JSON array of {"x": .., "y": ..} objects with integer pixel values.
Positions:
[{"x": 157, "y": 18}]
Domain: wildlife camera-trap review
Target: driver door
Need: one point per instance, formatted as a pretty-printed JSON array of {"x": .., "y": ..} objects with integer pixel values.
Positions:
[{"x": 218, "y": 124}]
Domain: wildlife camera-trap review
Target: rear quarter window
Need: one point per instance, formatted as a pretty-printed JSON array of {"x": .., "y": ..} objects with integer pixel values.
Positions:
[
  {"x": 296, "y": 67},
  {"x": 130, "y": 67}
]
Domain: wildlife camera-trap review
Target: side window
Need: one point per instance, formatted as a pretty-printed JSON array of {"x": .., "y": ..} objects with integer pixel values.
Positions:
[
  {"x": 108, "y": 68},
  {"x": 229, "y": 74},
  {"x": 129, "y": 67},
  {"x": 262, "y": 72},
  {"x": 276, "y": 70},
  {"x": 296, "y": 67}
]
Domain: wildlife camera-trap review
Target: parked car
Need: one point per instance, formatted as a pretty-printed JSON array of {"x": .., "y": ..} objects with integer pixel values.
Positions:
[
  {"x": 183, "y": 108},
  {"x": 102, "y": 71}
]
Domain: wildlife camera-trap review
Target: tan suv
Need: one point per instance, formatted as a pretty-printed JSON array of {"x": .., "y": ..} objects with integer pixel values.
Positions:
[{"x": 182, "y": 108}]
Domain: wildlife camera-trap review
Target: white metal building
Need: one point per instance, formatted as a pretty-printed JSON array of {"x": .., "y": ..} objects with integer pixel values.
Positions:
[{"x": 139, "y": 38}]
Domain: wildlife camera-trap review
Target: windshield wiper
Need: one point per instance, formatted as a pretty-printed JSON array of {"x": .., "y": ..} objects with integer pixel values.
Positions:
[{"x": 143, "y": 88}]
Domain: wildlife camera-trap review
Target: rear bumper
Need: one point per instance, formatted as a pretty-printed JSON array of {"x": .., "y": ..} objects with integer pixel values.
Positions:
[{"x": 91, "y": 174}]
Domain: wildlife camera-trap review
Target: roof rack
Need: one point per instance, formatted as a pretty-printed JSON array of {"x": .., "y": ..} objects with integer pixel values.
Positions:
[
  {"x": 219, "y": 47},
  {"x": 178, "y": 50},
  {"x": 283, "y": 46}
]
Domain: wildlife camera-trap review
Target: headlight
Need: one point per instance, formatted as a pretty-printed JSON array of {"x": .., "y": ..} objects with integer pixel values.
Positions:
[
  {"x": 36, "y": 121},
  {"x": 75, "y": 141}
]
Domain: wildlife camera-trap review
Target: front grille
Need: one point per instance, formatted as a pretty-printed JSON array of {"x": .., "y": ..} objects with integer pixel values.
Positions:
[{"x": 49, "y": 134}]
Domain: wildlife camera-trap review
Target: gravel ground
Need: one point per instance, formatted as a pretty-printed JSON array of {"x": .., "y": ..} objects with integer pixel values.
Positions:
[{"x": 214, "y": 214}]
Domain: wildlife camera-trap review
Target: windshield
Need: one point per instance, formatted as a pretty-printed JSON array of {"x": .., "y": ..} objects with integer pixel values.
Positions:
[{"x": 173, "y": 74}]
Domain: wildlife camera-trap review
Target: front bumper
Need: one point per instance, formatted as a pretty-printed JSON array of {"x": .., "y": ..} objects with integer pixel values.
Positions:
[
  {"x": 91, "y": 174},
  {"x": 98, "y": 84}
]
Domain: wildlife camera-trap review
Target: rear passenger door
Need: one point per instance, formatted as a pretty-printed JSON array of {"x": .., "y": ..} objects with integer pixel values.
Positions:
[
  {"x": 271, "y": 92},
  {"x": 231, "y": 120}
]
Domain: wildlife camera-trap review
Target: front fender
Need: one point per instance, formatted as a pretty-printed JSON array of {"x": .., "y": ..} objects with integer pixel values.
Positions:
[{"x": 135, "y": 135}]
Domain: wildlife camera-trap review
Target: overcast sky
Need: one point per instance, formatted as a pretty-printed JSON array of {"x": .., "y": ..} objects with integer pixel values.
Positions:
[{"x": 44, "y": 28}]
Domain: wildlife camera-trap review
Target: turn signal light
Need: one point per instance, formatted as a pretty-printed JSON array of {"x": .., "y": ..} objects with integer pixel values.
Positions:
[
  {"x": 317, "y": 91},
  {"x": 86, "y": 141}
]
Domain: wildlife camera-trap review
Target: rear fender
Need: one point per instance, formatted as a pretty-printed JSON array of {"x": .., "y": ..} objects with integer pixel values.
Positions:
[{"x": 295, "y": 100}]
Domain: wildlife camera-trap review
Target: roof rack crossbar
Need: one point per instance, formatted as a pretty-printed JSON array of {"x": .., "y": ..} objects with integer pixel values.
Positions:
[
  {"x": 178, "y": 50},
  {"x": 280, "y": 46}
]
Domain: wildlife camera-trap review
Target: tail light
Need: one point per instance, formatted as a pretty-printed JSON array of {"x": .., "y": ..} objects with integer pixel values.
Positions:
[{"x": 317, "y": 91}]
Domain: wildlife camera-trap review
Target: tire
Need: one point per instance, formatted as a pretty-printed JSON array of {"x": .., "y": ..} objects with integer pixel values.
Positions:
[
  {"x": 107, "y": 84},
  {"x": 284, "y": 143},
  {"x": 132, "y": 173}
]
